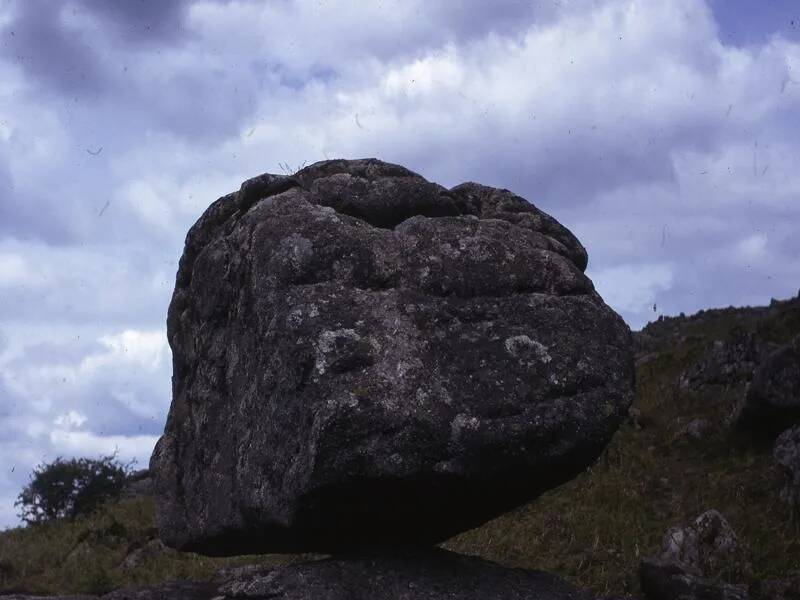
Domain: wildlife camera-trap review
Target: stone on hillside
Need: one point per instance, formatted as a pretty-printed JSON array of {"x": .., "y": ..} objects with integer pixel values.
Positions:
[
  {"x": 429, "y": 575},
  {"x": 697, "y": 429},
  {"x": 694, "y": 560},
  {"x": 773, "y": 399},
  {"x": 150, "y": 551},
  {"x": 708, "y": 544},
  {"x": 362, "y": 357},
  {"x": 726, "y": 362},
  {"x": 787, "y": 454}
]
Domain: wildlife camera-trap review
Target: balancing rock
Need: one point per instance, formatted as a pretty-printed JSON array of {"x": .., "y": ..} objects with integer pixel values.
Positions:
[{"x": 363, "y": 358}]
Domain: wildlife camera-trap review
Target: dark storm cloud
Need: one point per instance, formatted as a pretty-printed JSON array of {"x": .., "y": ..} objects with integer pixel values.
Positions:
[
  {"x": 37, "y": 41},
  {"x": 21, "y": 218},
  {"x": 91, "y": 55},
  {"x": 474, "y": 18},
  {"x": 141, "y": 20},
  {"x": 45, "y": 41},
  {"x": 742, "y": 23}
]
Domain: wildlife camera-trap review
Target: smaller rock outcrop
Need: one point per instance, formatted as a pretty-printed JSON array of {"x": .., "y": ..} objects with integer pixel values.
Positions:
[
  {"x": 787, "y": 454},
  {"x": 726, "y": 362},
  {"x": 696, "y": 561},
  {"x": 773, "y": 399},
  {"x": 149, "y": 551}
]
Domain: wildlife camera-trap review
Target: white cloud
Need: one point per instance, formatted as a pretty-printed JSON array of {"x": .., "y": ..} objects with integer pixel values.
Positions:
[
  {"x": 85, "y": 443},
  {"x": 634, "y": 288},
  {"x": 70, "y": 420},
  {"x": 120, "y": 359},
  {"x": 15, "y": 271},
  {"x": 143, "y": 349},
  {"x": 753, "y": 248}
]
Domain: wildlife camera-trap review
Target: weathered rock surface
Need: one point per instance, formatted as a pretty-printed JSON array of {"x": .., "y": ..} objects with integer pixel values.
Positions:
[
  {"x": 169, "y": 590},
  {"x": 432, "y": 575},
  {"x": 787, "y": 454},
  {"x": 708, "y": 545},
  {"x": 364, "y": 358},
  {"x": 773, "y": 399},
  {"x": 697, "y": 561}
]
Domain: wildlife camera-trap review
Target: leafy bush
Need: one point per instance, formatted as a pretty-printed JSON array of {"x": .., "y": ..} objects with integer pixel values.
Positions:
[{"x": 65, "y": 489}]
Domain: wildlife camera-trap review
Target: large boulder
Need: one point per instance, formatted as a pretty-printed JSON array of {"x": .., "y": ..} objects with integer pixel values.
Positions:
[
  {"x": 773, "y": 399},
  {"x": 363, "y": 358}
]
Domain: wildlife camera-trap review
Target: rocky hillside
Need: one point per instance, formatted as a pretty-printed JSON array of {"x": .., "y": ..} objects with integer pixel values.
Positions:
[
  {"x": 679, "y": 455},
  {"x": 684, "y": 451}
]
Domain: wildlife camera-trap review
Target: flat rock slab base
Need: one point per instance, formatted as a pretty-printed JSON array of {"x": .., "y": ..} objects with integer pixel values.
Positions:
[
  {"x": 421, "y": 575},
  {"x": 433, "y": 575}
]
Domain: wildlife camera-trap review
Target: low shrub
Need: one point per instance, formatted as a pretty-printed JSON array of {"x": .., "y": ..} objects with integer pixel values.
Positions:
[{"x": 65, "y": 489}]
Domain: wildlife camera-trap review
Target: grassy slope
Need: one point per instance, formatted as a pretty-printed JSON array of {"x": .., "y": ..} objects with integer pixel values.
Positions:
[
  {"x": 86, "y": 555},
  {"x": 593, "y": 530}
]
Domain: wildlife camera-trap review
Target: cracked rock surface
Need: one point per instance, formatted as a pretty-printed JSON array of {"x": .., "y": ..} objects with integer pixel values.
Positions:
[
  {"x": 363, "y": 358},
  {"x": 430, "y": 575}
]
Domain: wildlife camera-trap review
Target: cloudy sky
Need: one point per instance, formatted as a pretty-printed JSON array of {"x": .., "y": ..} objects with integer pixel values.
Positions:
[{"x": 665, "y": 134}]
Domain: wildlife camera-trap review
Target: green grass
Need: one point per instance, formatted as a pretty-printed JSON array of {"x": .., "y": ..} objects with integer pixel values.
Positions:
[
  {"x": 86, "y": 556},
  {"x": 593, "y": 530}
]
